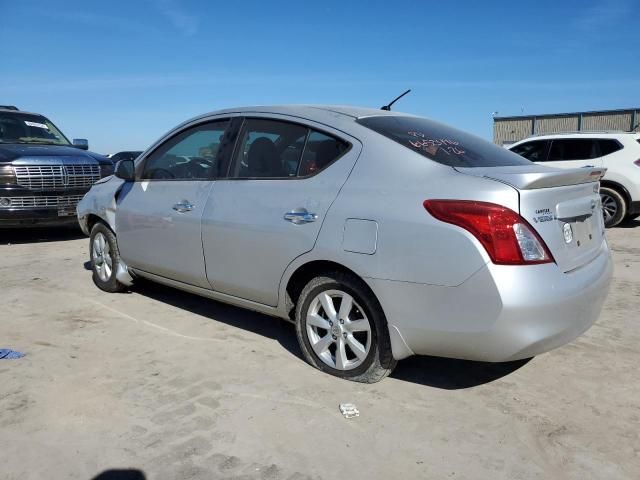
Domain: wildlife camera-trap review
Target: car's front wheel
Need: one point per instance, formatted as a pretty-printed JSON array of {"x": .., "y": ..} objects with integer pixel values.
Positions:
[
  {"x": 105, "y": 258},
  {"x": 614, "y": 208},
  {"x": 342, "y": 329}
]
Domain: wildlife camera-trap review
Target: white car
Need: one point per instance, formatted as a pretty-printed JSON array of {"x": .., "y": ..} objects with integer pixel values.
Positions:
[{"x": 618, "y": 152}]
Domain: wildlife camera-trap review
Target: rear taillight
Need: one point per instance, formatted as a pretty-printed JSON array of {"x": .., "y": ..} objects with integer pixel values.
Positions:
[
  {"x": 505, "y": 235},
  {"x": 637, "y": 162}
]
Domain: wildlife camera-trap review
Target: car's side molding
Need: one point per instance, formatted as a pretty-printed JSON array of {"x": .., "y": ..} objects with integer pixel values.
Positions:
[{"x": 221, "y": 297}]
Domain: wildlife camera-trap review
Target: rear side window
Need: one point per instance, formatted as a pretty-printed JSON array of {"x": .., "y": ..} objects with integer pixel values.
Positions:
[
  {"x": 441, "y": 143},
  {"x": 535, "y": 151},
  {"x": 573, "y": 149},
  {"x": 320, "y": 151},
  {"x": 277, "y": 149},
  {"x": 608, "y": 146}
]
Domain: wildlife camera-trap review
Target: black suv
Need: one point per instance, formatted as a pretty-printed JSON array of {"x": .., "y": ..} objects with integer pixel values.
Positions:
[{"x": 42, "y": 175}]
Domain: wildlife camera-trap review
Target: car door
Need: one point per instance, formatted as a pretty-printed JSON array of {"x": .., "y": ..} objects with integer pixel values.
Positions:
[
  {"x": 533, "y": 150},
  {"x": 574, "y": 153},
  {"x": 269, "y": 210},
  {"x": 158, "y": 218}
]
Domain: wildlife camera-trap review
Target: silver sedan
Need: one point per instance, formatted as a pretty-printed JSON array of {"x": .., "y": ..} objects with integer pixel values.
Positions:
[{"x": 379, "y": 234}]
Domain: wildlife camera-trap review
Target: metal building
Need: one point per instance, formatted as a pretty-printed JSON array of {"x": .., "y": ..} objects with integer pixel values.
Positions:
[{"x": 507, "y": 130}]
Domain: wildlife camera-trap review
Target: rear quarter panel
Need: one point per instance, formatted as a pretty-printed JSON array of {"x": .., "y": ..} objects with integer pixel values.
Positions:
[
  {"x": 388, "y": 185},
  {"x": 622, "y": 170}
]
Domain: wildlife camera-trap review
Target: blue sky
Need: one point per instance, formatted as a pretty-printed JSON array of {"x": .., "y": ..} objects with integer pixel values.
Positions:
[{"x": 123, "y": 73}]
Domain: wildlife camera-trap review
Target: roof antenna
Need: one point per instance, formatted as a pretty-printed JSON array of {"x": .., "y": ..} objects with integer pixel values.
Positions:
[{"x": 388, "y": 107}]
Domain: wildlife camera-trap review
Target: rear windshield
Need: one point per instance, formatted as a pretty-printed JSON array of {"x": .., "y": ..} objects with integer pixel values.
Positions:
[{"x": 441, "y": 143}]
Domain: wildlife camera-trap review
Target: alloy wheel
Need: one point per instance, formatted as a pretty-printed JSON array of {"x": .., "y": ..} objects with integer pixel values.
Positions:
[
  {"x": 609, "y": 207},
  {"x": 338, "y": 330},
  {"x": 101, "y": 256}
]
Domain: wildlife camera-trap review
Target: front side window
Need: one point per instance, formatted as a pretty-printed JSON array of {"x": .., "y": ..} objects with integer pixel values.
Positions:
[
  {"x": 277, "y": 149},
  {"x": 535, "y": 151},
  {"x": 16, "y": 127},
  {"x": 573, "y": 149},
  {"x": 190, "y": 155}
]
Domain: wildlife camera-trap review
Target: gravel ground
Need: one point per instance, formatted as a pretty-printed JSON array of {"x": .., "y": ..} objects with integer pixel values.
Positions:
[{"x": 173, "y": 386}]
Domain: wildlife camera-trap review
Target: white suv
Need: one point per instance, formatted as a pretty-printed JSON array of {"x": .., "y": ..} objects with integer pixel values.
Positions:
[{"x": 618, "y": 152}]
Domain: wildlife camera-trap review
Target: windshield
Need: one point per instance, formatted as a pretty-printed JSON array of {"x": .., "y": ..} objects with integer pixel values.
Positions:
[
  {"x": 16, "y": 127},
  {"x": 442, "y": 143}
]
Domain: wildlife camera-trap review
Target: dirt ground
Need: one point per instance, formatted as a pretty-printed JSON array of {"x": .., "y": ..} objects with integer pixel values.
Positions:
[{"x": 173, "y": 386}]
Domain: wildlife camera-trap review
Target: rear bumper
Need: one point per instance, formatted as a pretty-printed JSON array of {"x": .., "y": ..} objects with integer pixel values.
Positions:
[{"x": 501, "y": 313}]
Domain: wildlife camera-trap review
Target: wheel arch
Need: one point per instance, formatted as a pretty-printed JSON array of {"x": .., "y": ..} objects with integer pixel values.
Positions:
[
  {"x": 92, "y": 219},
  {"x": 302, "y": 273},
  {"x": 621, "y": 189}
]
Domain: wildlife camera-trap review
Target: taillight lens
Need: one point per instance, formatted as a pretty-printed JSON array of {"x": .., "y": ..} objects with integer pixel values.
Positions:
[{"x": 505, "y": 235}]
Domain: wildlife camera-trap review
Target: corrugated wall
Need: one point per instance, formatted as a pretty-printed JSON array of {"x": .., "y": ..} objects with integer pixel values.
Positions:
[
  {"x": 607, "y": 121},
  {"x": 511, "y": 130},
  {"x": 568, "y": 123}
]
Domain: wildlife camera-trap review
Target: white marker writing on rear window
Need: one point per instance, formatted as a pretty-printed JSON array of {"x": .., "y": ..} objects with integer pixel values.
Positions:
[
  {"x": 36, "y": 124},
  {"x": 433, "y": 145}
]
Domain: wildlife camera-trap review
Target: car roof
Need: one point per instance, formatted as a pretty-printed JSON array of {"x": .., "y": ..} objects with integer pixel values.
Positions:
[
  {"x": 11, "y": 110},
  {"x": 320, "y": 113},
  {"x": 582, "y": 134}
]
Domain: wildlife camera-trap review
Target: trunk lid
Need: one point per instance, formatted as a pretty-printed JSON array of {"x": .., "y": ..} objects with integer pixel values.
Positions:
[{"x": 562, "y": 205}]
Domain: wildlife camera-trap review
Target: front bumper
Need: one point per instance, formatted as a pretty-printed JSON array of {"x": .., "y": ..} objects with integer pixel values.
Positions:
[
  {"x": 501, "y": 313},
  {"x": 24, "y": 208},
  {"x": 34, "y": 218}
]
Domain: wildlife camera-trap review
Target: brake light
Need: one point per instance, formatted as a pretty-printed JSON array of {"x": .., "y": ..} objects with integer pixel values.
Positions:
[{"x": 505, "y": 235}]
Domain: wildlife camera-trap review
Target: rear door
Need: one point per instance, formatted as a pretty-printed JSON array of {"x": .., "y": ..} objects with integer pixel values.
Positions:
[
  {"x": 281, "y": 182},
  {"x": 159, "y": 216},
  {"x": 574, "y": 153}
]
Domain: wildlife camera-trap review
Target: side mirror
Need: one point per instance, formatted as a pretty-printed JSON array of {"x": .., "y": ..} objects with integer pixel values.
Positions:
[
  {"x": 125, "y": 169},
  {"x": 81, "y": 143}
]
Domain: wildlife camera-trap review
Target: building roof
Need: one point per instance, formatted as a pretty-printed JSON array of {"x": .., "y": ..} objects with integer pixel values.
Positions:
[{"x": 567, "y": 114}]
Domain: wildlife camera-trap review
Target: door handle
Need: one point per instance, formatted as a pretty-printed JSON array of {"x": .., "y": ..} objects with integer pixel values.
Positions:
[
  {"x": 184, "y": 206},
  {"x": 298, "y": 216}
]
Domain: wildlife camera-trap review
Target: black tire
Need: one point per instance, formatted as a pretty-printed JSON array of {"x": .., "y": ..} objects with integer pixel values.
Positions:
[
  {"x": 379, "y": 362},
  {"x": 614, "y": 206},
  {"x": 632, "y": 217},
  {"x": 111, "y": 284}
]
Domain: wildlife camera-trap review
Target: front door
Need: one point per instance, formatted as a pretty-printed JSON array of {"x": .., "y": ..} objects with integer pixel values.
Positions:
[
  {"x": 158, "y": 219},
  {"x": 281, "y": 182}
]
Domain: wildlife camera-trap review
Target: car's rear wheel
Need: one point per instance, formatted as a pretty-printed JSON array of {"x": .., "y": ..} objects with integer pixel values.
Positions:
[
  {"x": 614, "y": 207},
  {"x": 342, "y": 329},
  {"x": 105, "y": 258}
]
